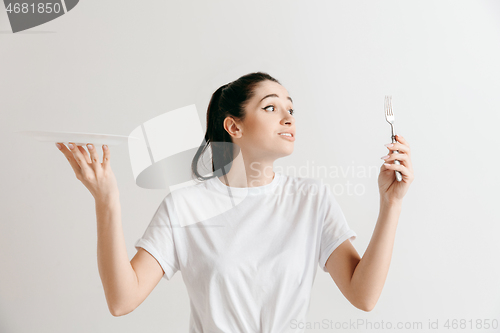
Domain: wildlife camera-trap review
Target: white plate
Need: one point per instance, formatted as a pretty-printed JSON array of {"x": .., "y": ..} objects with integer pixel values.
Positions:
[{"x": 80, "y": 139}]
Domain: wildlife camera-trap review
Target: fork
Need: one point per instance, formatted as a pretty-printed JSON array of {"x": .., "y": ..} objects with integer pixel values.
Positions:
[{"x": 389, "y": 116}]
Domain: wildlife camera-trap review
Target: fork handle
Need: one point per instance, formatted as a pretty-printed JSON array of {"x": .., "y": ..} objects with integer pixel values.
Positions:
[{"x": 399, "y": 177}]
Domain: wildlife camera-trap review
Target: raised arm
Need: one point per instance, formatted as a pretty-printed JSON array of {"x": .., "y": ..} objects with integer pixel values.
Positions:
[
  {"x": 362, "y": 280},
  {"x": 126, "y": 283}
]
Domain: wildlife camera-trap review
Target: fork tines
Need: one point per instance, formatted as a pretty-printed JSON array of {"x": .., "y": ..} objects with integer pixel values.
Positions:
[{"x": 388, "y": 106}]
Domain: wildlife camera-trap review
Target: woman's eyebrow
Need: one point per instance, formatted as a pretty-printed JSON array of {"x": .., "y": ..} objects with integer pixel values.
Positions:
[{"x": 274, "y": 95}]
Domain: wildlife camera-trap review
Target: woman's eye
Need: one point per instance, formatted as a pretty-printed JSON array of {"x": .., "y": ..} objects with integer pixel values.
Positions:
[{"x": 272, "y": 106}]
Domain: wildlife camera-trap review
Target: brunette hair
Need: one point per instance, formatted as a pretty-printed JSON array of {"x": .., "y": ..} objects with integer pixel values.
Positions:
[{"x": 229, "y": 100}]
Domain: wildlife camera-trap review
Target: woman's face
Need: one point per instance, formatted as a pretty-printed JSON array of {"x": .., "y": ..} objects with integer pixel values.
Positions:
[{"x": 268, "y": 113}]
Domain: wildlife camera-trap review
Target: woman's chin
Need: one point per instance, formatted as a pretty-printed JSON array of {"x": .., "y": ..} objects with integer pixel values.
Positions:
[{"x": 287, "y": 152}]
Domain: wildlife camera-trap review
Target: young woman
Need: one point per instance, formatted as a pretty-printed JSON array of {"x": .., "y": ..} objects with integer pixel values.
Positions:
[{"x": 247, "y": 239}]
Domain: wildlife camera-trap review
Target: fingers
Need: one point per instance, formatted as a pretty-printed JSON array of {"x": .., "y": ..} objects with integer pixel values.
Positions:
[
  {"x": 86, "y": 170},
  {"x": 80, "y": 160},
  {"x": 85, "y": 154},
  {"x": 70, "y": 158},
  {"x": 106, "y": 157},
  {"x": 405, "y": 172},
  {"x": 403, "y": 158},
  {"x": 401, "y": 145},
  {"x": 396, "y": 156},
  {"x": 94, "y": 158},
  {"x": 399, "y": 138}
]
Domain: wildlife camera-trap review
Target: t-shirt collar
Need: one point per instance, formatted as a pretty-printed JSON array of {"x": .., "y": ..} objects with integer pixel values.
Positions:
[{"x": 229, "y": 190}]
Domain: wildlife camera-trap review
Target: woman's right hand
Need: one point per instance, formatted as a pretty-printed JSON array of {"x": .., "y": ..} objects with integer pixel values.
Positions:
[{"x": 97, "y": 177}]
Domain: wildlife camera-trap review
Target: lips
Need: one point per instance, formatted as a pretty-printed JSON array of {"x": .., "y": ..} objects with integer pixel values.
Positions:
[{"x": 289, "y": 138}]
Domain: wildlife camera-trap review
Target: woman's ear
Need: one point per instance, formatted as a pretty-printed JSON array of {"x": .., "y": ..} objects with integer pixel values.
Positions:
[{"x": 233, "y": 127}]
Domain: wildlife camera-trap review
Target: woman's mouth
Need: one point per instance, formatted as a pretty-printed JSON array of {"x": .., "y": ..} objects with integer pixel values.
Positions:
[{"x": 287, "y": 136}]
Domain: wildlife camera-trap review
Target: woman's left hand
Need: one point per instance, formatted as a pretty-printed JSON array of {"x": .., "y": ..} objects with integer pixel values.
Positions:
[{"x": 390, "y": 189}]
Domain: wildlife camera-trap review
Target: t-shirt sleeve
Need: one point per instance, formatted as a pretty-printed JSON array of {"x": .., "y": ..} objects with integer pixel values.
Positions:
[
  {"x": 335, "y": 229},
  {"x": 158, "y": 240}
]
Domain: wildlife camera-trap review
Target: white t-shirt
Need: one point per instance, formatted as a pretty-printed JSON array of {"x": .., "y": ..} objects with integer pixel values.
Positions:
[{"x": 248, "y": 256}]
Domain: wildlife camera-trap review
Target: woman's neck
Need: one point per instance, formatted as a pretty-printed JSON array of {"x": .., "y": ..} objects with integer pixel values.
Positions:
[{"x": 248, "y": 174}]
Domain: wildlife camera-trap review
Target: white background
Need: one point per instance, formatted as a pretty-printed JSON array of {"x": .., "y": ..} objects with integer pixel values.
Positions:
[{"x": 107, "y": 67}]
